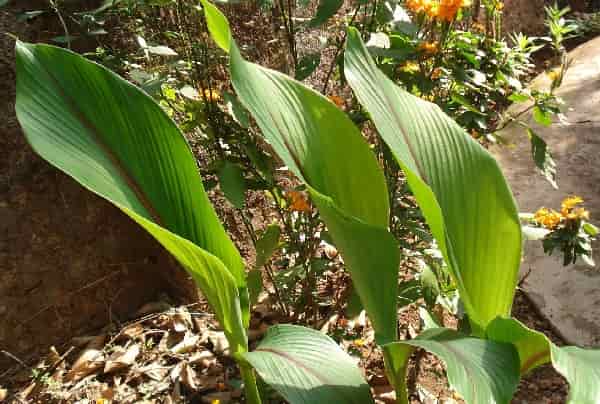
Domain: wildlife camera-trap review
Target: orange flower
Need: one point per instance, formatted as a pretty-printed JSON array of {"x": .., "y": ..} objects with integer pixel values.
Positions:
[
  {"x": 550, "y": 219},
  {"x": 449, "y": 9},
  {"x": 429, "y": 48},
  {"x": 298, "y": 202},
  {"x": 436, "y": 73},
  {"x": 337, "y": 100}
]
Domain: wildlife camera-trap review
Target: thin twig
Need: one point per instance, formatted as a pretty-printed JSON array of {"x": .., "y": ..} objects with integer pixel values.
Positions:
[{"x": 339, "y": 48}]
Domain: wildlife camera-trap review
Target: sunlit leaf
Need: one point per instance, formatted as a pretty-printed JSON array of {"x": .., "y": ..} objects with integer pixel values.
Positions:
[
  {"x": 306, "y": 366},
  {"x": 117, "y": 142},
  {"x": 458, "y": 186}
]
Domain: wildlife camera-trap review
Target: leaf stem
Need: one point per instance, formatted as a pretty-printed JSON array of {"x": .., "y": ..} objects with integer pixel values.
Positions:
[{"x": 250, "y": 387}]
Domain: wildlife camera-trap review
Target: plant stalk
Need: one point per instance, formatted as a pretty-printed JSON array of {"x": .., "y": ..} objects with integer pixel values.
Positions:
[{"x": 250, "y": 386}]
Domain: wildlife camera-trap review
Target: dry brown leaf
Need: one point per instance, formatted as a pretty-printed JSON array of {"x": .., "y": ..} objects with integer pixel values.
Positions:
[
  {"x": 181, "y": 320},
  {"x": 187, "y": 344},
  {"x": 219, "y": 342},
  {"x": 155, "y": 372},
  {"x": 91, "y": 360},
  {"x": 188, "y": 376},
  {"x": 330, "y": 251},
  {"x": 131, "y": 332},
  {"x": 203, "y": 358},
  {"x": 122, "y": 358},
  {"x": 384, "y": 395}
]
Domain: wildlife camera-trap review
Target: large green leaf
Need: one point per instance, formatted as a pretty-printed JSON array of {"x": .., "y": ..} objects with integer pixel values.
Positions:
[
  {"x": 579, "y": 366},
  {"x": 457, "y": 183},
  {"x": 480, "y": 371},
  {"x": 306, "y": 366},
  {"x": 324, "y": 149},
  {"x": 117, "y": 142},
  {"x": 533, "y": 346}
]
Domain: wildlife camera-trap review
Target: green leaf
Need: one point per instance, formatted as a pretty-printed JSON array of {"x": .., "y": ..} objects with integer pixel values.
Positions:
[
  {"x": 542, "y": 157},
  {"x": 590, "y": 229},
  {"x": 325, "y": 10},
  {"x": 480, "y": 371},
  {"x": 458, "y": 185},
  {"x": 117, "y": 142},
  {"x": 255, "y": 285},
  {"x": 533, "y": 346},
  {"x": 306, "y": 366},
  {"x": 233, "y": 184},
  {"x": 267, "y": 244},
  {"x": 4, "y": 3},
  {"x": 519, "y": 97},
  {"x": 307, "y": 65},
  {"x": 542, "y": 117},
  {"x": 578, "y": 366},
  {"x": 217, "y": 25},
  {"x": 236, "y": 110},
  {"x": 324, "y": 149}
]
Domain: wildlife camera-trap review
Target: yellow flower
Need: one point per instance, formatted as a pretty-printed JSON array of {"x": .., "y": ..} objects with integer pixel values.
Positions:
[
  {"x": 499, "y": 6},
  {"x": 359, "y": 342},
  {"x": 428, "y": 48},
  {"x": 553, "y": 74},
  {"x": 410, "y": 67},
  {"x": 337, "y": 100},
  {"x": 298, "y": 202},
  {"x": 212, "y": 95},
  {"x": 547, "y": 218},
  {"x": 215, "y": 402},
  {"x": 569, "y": 203}
]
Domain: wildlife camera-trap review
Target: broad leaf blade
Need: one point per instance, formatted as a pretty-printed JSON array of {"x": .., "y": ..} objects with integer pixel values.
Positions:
[
  {"x": 458, "y": 185},
  {"x": 533, "y": 346},
  {"x": 581, "y": 368},
  {"x": 306, "y": 366},
  {"x": 324, "y": 149},
  {"x": 480, "y": 371},
  {"x": 578, "y": 366},
  {"x": 117, "y": 142}
]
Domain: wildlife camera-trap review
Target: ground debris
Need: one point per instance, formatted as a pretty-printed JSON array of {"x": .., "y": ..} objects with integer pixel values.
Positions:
[{"x": 172, "y": 356}]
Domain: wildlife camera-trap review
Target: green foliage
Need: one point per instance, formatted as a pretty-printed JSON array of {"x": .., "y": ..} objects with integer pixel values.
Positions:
[
  {"x": 481, "y": 371},
  {"x": 306, "y": 366},
  {"x": 450, "y": 175}
]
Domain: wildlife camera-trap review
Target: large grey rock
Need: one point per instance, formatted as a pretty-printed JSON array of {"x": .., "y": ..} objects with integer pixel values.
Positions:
[{"x": 568, "y": 296}]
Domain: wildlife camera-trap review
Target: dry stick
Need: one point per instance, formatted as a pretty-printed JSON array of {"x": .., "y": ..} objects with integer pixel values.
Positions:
[
  {"x": 268, "y": 269},
  {"x": 340, "y": 45},
  {"x": 62, "y": 22}
]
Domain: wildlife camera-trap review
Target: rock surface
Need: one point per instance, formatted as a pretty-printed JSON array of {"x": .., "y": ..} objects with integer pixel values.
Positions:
[{"x": 568, "y": 296}]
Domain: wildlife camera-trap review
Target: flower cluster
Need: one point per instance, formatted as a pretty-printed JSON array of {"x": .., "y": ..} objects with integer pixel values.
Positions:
[
  {"x": 569, "y": 212},
  {"x": 443, "y": 10}
]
